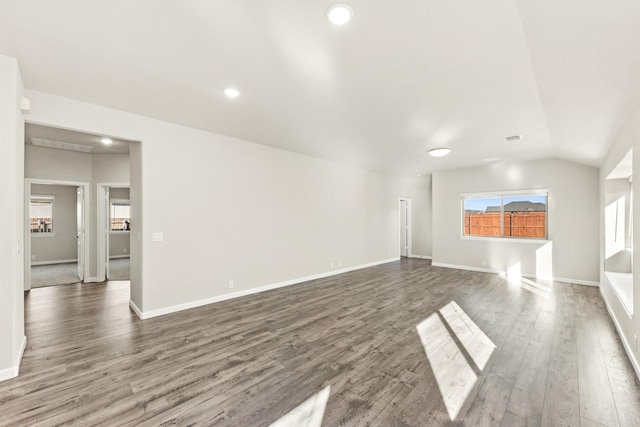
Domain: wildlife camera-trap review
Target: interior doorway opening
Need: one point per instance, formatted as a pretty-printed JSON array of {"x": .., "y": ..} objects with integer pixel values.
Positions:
[
  {"x": 114, "y": 231},
  {"x": 55, "y": 244}
]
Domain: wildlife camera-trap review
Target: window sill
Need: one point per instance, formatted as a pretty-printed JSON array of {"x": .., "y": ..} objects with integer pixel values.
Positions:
[
  {"x": 52, "y": 234},
  {"x": 505, "y": 239},
  {"x": 622, "y": 284},
  {"x": 120, "y": 232}
]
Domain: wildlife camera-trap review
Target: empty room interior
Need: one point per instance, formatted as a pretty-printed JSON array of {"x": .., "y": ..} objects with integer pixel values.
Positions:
[{"x": 287, "y": 213}]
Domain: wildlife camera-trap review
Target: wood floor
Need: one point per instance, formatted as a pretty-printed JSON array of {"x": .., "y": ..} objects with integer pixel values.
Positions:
[{"x": 402, "y": 344}]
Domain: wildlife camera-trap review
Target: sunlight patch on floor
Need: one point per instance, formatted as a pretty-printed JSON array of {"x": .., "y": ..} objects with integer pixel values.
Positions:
[
  {"x": 537, "y": 288},
  {"x": 309, "y": 413},
  {"x": 458, "y": 351}
]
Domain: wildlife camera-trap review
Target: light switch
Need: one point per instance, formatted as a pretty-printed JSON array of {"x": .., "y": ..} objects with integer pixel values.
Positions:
[{"x": 157, "y": 237}]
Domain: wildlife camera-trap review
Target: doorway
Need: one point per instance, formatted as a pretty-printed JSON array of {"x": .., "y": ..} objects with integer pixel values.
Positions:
[
  {"x": 113, "y": 231},
  {"x": 55, "y": 246},
  {"x": 404, "y": 212}
]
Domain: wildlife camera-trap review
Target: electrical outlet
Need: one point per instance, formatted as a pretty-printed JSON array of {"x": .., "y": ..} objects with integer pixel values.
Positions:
[
  {"x": 331, "y": 264},
  {"x": 484, "y": 262},
  {"x": 34, "y": 256},
  {"x": 389, "y": 254},
  {"x": 157, "y": 236},
  {"x": 231, "y": 285},
  {"x": 340, "y": 263},
  {"x": 124, "y": 250}
]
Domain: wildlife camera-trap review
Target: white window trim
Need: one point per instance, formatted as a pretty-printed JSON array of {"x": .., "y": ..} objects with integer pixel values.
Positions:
[
  {"x": 506, "y": 239},
  {"x": 507, "y": 193},
  {"x": 501, "y": 195}
]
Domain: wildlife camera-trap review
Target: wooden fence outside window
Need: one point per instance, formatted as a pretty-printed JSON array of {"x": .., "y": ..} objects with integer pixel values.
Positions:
[{"x": 516, "y": 224}]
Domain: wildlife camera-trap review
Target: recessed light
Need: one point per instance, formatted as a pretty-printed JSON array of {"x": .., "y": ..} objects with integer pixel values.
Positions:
[
  {"x": 492, "y": 159},
  {"x": 439, "y": 152},
  {"x": 107, "y": 141},
  {"x": 231, "y": 92},
  {"x": 339, "y": 14},
  {"x": 419, "y": 175}
]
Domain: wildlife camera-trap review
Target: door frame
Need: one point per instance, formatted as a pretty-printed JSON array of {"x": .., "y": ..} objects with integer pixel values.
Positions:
[
  {"x": 409, "y": 228},
  {"x": 27, "y": 221},
  {"x": 101, "y": 226}
]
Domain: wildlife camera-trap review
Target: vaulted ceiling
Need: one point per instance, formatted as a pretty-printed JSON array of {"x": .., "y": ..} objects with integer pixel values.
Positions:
[{"x": 402, "y": 77}]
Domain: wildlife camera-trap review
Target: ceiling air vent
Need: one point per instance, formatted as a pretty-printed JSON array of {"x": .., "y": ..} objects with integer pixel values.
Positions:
[
  {"x": 61, "y": 145},
  {"x": 512, "y": 138}
]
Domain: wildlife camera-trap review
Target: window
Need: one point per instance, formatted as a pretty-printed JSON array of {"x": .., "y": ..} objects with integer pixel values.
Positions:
[
  {"x": 41, "y": 214},
  {"x": 521, "y": 214},
  {"x": 120, "y": 213}
]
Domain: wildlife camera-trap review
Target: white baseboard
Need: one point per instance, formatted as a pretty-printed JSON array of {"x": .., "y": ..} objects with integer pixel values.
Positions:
[
  {"x": 465, "y": 267},
  {"x": 192, "y": 304},
  {"x": 530, "y": 276},
  {"x": 12, "y": 372},
  {"x": 419, "y": 256},
  {"x": 623, "y": 338},
  {"x": 136, "y": 310},
  {"x": 119, "y": 256},
  {"x": 576, "y": 281},
  {"x": 91, "y": 280},
  {"x": 60, "y": 261}
]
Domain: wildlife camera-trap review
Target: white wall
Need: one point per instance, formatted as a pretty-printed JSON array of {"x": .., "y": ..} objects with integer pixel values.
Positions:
[
  {"x": 234, "y": 210},
  {"x": 572, "y": 218},
  {"x": 628, "y": 326},
  {"x": 11, "y": 219},
  {"x": 61, "y": 244},
  {"x": 61, "y": 165}
]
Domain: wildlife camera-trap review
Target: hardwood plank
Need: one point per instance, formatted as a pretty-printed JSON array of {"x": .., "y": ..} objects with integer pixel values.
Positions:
[
  {"x": 524, "y": 357},
  {"x": 596, "y": 398}
]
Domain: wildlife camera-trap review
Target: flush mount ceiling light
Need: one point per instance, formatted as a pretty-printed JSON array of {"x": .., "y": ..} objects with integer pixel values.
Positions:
[
  {"x": 491, "y": 159},
  {"x": 107, "y": 141},
  {"x": 339, "y": 14},
  {"x": 439, "y": 152},
  {"x": 231, "y": 92}
]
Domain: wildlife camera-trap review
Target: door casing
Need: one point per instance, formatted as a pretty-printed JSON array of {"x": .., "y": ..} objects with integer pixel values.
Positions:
[
  {"x": 401, "y": 207},
  {"x": 27, "y": 233}
]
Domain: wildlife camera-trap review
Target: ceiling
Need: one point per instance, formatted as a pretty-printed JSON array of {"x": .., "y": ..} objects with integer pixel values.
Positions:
[
  {"x": 401, "y": 78},
  {"x": 63, "y": 139}
]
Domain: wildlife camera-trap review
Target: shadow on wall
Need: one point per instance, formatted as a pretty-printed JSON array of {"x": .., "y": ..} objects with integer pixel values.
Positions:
[{"x": 543, "y": 267}]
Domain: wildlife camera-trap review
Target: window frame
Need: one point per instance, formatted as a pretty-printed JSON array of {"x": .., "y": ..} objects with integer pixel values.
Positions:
[
  {"x": 502, "y": 195},
  {"x": 119, "y": 200},
  {"x": 42, "y": 198}
]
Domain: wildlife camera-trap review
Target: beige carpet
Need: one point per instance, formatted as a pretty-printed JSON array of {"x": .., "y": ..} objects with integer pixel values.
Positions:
[
  {"x": 54, "y": 274},
  {"x": 119, "y": 269},
  {"x": 63, "y": 274}
]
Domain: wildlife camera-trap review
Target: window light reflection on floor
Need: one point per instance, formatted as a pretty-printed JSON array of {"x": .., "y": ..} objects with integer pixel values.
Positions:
[
  {"x": 537, "y": 288},
  {"x": 309, "y": 413},
  {"x": 457, "y": 351}
]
